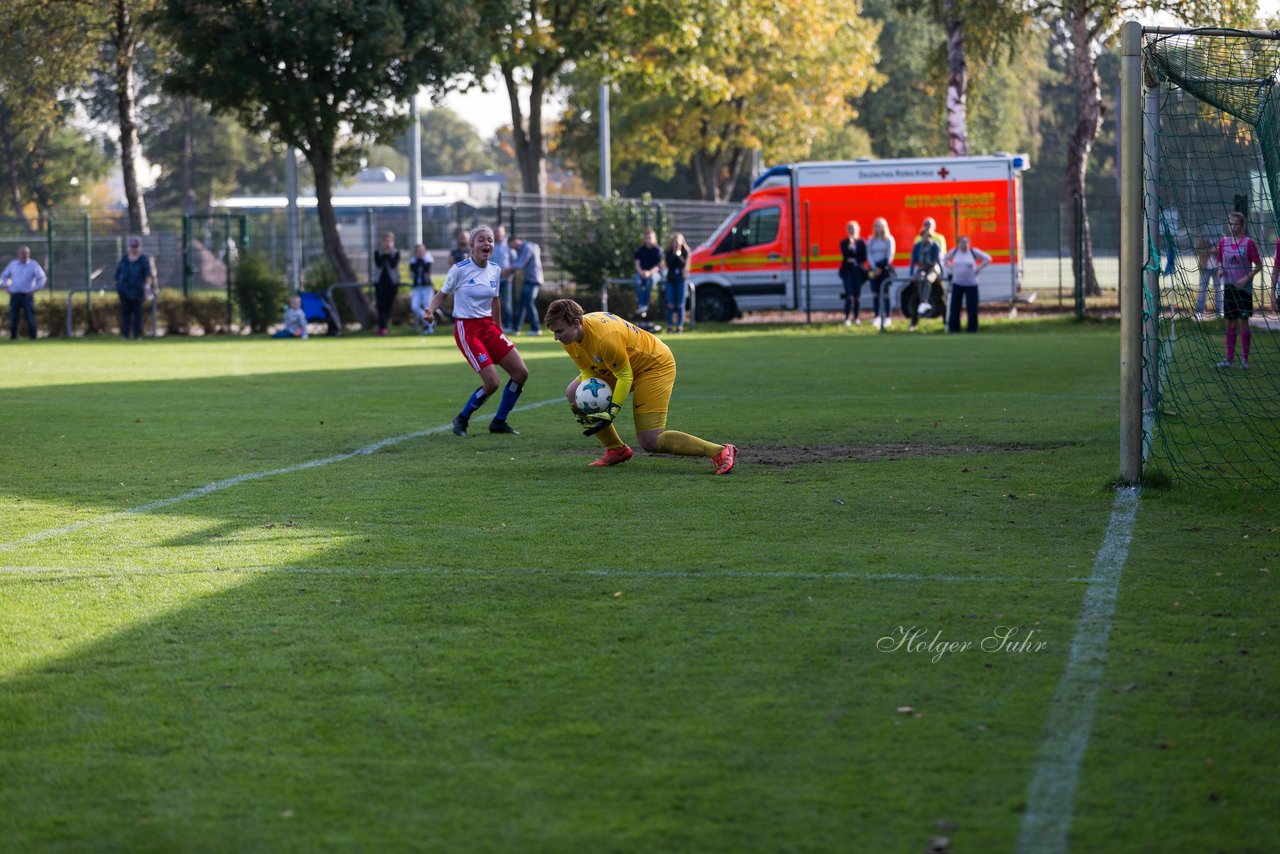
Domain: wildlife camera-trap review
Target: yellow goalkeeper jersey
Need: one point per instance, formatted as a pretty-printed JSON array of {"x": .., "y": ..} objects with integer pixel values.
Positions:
[{"x": 612, "y": 346}]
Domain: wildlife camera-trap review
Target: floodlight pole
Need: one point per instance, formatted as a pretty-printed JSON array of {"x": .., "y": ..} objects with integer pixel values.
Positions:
[
  {"x": 1132, "y": 253},
  {"x": 606, "y": 169},
  {"x": 415, "y": 173},
  {"x": 294, "y": 235}
]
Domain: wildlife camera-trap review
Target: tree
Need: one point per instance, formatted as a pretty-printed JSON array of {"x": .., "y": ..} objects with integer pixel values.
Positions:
[
  {"x": 1088, "y": 23},
  {"x": 450, "y": 145},
  {"x": 45, "y": 55},
  {"x": 127, "y": 59},
  {"x": 1003, "y": 26},
  {"x": 123, "y": 66},
  {"x": 39, "y": 163},
  {"x": 125, "y": 30},
  {"x": 903, "y": 115},
  {"x": 202, "y": 156},
  {"x": 733, "y": 78},
  {"x": 537, "y": 40},
  {"x": 921, "y": 108},
  {"x": 1004, "y": 99},
  {"x": 319, "y": 76}
]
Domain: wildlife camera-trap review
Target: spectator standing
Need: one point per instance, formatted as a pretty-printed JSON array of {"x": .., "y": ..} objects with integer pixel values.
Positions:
[
  {"x": 965, "y": 263},
  {"x": 421, "y": 289},
  {"x": 527, "y": 261},
  {"x": 881, "y": 249},
  {"x": 1238, "y": 262},
  {"x": 295, "y": 320},
  {"x": 1275, "y": 279},
  {"x": 676, "y": 259},
  {"x": 133, "y": 286},
  {"x": 386, "y": 263},
  {"x": 1208, "y": 275},
  {"x": 648, "y": 271},
  {"x": 502, "y": 257},
  {"x": 853, "y": 271},
  {"x": 462, "y": 251},
  {"x": 22, "y": 278},
  {"x": 473, "y": 283}
]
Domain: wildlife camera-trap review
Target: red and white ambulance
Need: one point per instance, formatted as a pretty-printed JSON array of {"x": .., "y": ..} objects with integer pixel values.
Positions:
[{"x": 781, "y": 250}]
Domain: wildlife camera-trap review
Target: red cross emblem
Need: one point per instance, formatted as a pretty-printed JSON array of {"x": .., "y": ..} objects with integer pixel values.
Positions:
[{"x": 943, "y": 173}]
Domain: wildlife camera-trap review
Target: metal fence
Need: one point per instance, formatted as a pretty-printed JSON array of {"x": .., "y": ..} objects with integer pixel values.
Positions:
[{"x": 192, "y": 253}]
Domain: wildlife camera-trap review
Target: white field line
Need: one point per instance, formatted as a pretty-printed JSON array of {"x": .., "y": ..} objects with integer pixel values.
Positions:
[
  {"x": 639, "y": 574},
  {"x": 1050, "y": 802},
  {"x": 227, "y": 483}
]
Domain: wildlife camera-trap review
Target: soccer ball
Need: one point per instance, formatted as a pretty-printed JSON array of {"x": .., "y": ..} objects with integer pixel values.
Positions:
[{"x": 594, "y": 395}]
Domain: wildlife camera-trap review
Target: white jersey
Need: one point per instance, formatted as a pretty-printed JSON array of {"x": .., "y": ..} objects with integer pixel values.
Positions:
[
  {"x": 474, "y": 288},
  {"x": 964, "y": 265}
]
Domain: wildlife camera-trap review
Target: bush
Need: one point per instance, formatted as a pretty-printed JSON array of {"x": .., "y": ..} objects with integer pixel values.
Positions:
[
  {"x": 597, "y": 241},
  {"x": 174, "y": 316},
  {"x": 208, "y": 311},
  {"x": 181, "y": 315},
  {"x": 51, "y": 314},
  {"x": 177, "y": 315},
  {"x": 259, "y": 291}
]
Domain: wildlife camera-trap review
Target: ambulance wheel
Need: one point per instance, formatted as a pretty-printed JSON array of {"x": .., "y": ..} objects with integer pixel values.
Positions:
[{"x": 714, "y": 305}]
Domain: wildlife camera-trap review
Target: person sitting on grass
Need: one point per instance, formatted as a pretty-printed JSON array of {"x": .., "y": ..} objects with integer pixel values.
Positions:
[
  {"x": 630, "y": 360},
  {"x": 295, "y": 320}
]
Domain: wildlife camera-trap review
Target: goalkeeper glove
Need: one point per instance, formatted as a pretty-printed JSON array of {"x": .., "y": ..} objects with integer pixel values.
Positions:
[{"x": 601, "y": 420}]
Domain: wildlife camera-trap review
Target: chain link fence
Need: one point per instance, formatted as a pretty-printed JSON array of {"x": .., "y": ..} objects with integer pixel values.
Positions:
[{"x": 195, "y": 255}]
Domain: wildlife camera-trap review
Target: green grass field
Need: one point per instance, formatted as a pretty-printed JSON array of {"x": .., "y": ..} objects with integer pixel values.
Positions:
[{"x": 482, "y": 644}]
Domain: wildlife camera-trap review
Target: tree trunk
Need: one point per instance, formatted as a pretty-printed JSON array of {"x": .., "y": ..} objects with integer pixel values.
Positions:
[
  {"x": 126, "y": 40},
  {"x": 526, "y": 136},
  {"x": 715, "y": 173},
  {"x": 1084, "y": 73},
  {"x": 957, "y": 83},
  {"x": 14, "y": 185},
  {"x": 705, "y": 166},
  {"x": 535, "y": 175},
  {"x": 715, "y": 168},
  {"x": 729, "y": 174},
  {"x": 322, "y": 167}
]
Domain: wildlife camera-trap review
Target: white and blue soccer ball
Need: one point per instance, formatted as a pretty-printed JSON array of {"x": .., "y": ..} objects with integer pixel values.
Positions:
[{"x": 594, "y": 395}]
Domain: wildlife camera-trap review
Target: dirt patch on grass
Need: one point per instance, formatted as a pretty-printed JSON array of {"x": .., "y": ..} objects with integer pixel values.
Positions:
[{"x": 785, "y": 456}]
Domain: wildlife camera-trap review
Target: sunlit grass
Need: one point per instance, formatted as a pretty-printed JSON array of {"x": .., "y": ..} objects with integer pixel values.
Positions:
[{"x": 484, "y": 644}]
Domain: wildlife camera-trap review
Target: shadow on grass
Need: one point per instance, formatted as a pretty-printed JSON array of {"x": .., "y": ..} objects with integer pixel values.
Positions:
[{"x": 484, "y": 710}]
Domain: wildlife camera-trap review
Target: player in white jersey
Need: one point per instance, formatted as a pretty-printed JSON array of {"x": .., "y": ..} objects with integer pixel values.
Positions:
[{"x": 477, "y": 329}]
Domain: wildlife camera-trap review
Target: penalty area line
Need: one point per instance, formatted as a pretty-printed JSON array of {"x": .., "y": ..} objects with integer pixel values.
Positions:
[
  {"x": 227, "y": 483},
  {"x": 1051, "y": 799}
]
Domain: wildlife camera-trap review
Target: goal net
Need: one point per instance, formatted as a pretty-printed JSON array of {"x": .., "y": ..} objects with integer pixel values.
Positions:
[{"x": 1211, "y": 393}]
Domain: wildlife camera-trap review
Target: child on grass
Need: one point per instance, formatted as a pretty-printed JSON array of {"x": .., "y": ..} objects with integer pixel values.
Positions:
[{"x": 295, "y": 320}]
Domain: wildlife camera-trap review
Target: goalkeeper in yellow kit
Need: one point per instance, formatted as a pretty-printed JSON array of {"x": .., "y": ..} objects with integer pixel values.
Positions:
[{"x": 634, "y": 363}]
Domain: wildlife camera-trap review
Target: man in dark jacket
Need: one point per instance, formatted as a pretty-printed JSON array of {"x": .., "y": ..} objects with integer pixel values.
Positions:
[{"x": 133, "y": 285}]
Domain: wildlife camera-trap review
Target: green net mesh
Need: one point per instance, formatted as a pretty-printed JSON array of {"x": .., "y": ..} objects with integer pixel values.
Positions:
[{"x": 1217, "y": 150}]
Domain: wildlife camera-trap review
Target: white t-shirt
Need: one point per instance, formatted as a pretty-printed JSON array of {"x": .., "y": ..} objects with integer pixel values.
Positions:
[
  {"x": 474, "y": 288},
  {"x": 964, "y": 265}
]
